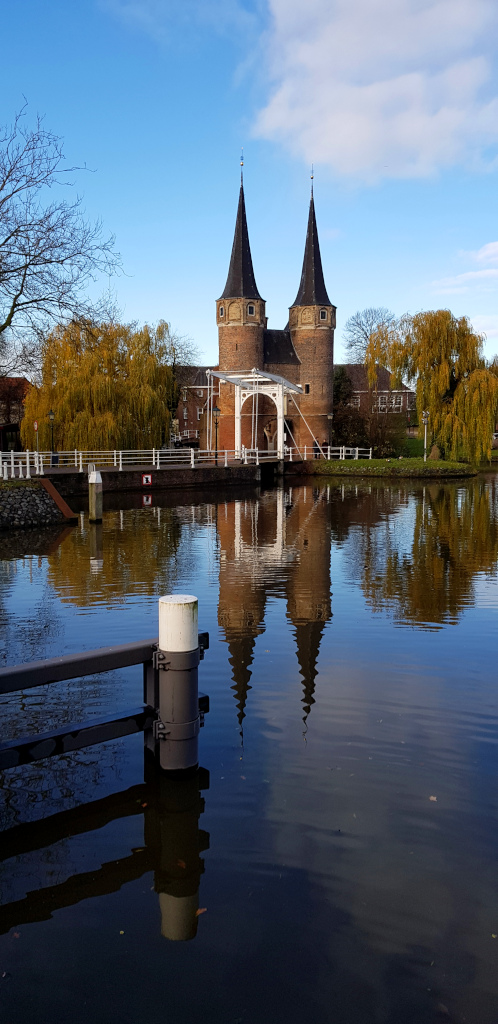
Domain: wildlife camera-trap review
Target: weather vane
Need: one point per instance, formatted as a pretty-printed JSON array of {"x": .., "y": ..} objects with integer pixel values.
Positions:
[
  {"x": 312, "y": 176},
  {"x": 241, "y": 165}
]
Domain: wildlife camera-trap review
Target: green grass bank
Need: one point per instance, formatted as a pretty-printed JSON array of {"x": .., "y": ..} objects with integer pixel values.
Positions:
[{"x": 394, "y": 467}]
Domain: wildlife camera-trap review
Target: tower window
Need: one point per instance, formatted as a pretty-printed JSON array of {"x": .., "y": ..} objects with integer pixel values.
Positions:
[
  {"x": 184, "y": 394},
  {"x": 222, "y": 311},
  {"x": 306, "y": 389},
  {"x": 250, "y": 309},
  {"x": 323, "y": 314}
]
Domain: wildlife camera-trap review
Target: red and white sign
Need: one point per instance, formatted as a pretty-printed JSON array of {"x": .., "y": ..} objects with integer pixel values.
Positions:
[
  {"x": 146, "y": 479},
  {"x": 35, "y": 424},
  {"x": 146, "y": 499}
]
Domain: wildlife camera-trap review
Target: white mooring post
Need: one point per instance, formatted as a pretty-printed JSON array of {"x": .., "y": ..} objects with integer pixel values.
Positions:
[
  {"x": 95, "y": 496},
  {"x": 21, "y": 475},
  {"x": 177, "y": 661},
  {"x": 5, "y": 471},
  {"x": 42, "y": 471},
  {"x": 28, "y": 467}
]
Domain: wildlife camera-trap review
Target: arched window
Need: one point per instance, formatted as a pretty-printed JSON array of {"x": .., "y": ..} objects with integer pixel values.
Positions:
[
  {"x": 222, "y": 311},
  {"x": 323, "y": 314},
  {"x": 250, "y": 309}
]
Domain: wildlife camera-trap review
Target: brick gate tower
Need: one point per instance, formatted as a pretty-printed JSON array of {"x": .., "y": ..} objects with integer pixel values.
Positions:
[{"x": 302, "y": 353}]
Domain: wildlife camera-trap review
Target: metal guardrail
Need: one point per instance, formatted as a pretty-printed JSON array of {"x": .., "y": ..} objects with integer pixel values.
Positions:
[{"x": 97, "y": 730}]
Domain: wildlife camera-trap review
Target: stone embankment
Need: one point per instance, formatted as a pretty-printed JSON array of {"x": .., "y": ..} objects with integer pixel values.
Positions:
[{"x": 27, "y": 506}]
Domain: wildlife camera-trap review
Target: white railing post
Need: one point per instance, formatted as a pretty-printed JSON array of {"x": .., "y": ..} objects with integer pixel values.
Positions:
[
  {"x": 257, "y": 456},
  {"x": 12, "y": 470},
  {"x": 81, "y": 462},
  {"x": 328, "y": 453},
  {"x": 120, "y": 461},
  {"x": 28, "y": 467},
  {"x": 290, "y": 454},
  {"x": 356, "y": 456},
  {"x": 42, "y": 471},
  {"x": 115, "y": 456},
  {"x": 305, "y": 452},
  {"x": 154, "y": 458},
  {"x": 192, "y": 458},
  {"x": 370, "y": 456},
  {"x": 226, "y": 459},
  {"x": 5, "y": 471},
  {"x": 75, "y": 456}
]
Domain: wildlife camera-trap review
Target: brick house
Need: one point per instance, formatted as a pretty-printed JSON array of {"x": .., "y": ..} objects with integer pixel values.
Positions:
[
  {"x": 382, "y": 398},
  {"x": 13, "y": 391}
]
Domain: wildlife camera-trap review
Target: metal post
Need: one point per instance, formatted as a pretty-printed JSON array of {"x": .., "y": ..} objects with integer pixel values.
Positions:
[
  {"x": 81, "y": 462},
  {"x": 95, "y": 496},
  {"x": 28, "y": 467},
  {"x": 192, "y": 459},
  {"x": 305, "y": 453},
  {"x": 226, "y": 459},
  {"x": 177, "y": 660},
  {"x": 75, "y": 456},
  {"x": 257, "y": 456},
  {"x": 120, "y": 461},
  {"x": 12, "y": 471},
  {"x": 370, "y": 456},
  {"x": 328, "y": 453},
  {"x": 356, "y": 456}
]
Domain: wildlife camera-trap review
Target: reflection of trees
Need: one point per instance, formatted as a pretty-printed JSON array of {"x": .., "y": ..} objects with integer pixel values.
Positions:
[
  {"x": 131, "y": 554},
  {"x": 455, "y": 536}
]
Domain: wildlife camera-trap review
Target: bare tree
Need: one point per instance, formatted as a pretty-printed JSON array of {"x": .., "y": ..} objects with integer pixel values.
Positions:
[
  {"x": 49, "y": 253},
  {"x": 361, "y": 326}
]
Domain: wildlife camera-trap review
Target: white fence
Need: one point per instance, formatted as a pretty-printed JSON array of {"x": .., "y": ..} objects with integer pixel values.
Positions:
[{"x": 24, "y": 465}]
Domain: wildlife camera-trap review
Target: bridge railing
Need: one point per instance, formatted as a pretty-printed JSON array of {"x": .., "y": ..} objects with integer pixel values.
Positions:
[{"x": 27, "y": 464}]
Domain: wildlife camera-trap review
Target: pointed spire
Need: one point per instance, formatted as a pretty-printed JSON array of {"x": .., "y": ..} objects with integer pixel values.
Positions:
[
  {"x": 312, "y": 290},
  {"x": 241, "y": 282}
]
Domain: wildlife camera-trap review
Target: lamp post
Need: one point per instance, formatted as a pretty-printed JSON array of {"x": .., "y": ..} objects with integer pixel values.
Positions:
[
  {"x": 216, "y": 414},
  {"x": 51, "y": 417},
  {"x": 425, "y": 420}
]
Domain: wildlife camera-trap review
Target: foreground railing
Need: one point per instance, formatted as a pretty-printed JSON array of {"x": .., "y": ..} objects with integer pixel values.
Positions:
[
  {"x": 172, "y": 712},
  {"x": 24, "y": 465}
]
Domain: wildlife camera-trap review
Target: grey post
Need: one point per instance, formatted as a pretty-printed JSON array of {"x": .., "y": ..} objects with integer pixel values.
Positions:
[
  {"x": 95, "y": 495},
  {"x": 177, "y": 663}
]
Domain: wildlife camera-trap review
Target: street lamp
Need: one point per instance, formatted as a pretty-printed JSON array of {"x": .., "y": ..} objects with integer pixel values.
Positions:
[
  {"x": 51, "y": 417},
  {"x": 425, "y": 420},
  {"x": 216, "y": 414},
  {"x": 330, "y": 417}
]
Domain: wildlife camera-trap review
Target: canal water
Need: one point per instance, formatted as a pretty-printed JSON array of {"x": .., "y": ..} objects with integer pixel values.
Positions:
[{"x": 335, "y": 860}]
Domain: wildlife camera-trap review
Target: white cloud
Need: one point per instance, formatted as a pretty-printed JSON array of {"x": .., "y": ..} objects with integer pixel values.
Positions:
[
  {"x": 462, "y": 282},
  {"x": 487, "y": 325},
  {"x": 486, "y": 254},
  {"x": 159, "y": 17},
  {"x": 382, "y": 88}
]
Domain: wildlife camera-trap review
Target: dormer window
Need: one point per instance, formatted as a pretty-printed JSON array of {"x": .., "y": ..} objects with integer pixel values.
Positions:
[
  {"x": 250, "y": 309},
  {"x": 323, "y": 314},
  {"x": 222, "y": 311}
]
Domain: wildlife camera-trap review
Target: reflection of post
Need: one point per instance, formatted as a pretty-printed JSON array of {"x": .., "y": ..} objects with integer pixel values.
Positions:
[
  {"x": 172, "y": 834},
  {"x": 238, "y": 409},
  {"x": 96, "y": 548},
  {"x": 95, "y": 496}
]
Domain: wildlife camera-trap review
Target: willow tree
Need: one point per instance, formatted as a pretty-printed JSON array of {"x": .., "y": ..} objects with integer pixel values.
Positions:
[
  {"x": 442, "y": 355},
  {"x": 109, "y": 386}
]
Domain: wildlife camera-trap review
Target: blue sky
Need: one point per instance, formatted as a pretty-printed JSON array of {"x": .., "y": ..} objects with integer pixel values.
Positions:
[{"x": 394, "y": 101}]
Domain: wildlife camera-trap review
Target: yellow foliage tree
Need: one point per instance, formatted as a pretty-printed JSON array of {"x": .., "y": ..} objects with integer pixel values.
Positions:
[
  {"x": 443, "y": 356},
  {"x": 109, "y": 386}
]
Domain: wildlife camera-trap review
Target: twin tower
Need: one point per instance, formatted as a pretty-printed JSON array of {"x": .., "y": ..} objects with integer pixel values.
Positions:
[{"x": 302, "y": 353}]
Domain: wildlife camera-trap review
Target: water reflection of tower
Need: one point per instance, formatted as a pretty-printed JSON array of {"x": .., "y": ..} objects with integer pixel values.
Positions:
[
  {"x": 308, "y": 591},
  {"x": 242, "y": 592},
  {"x": 279, "y": 546}
]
